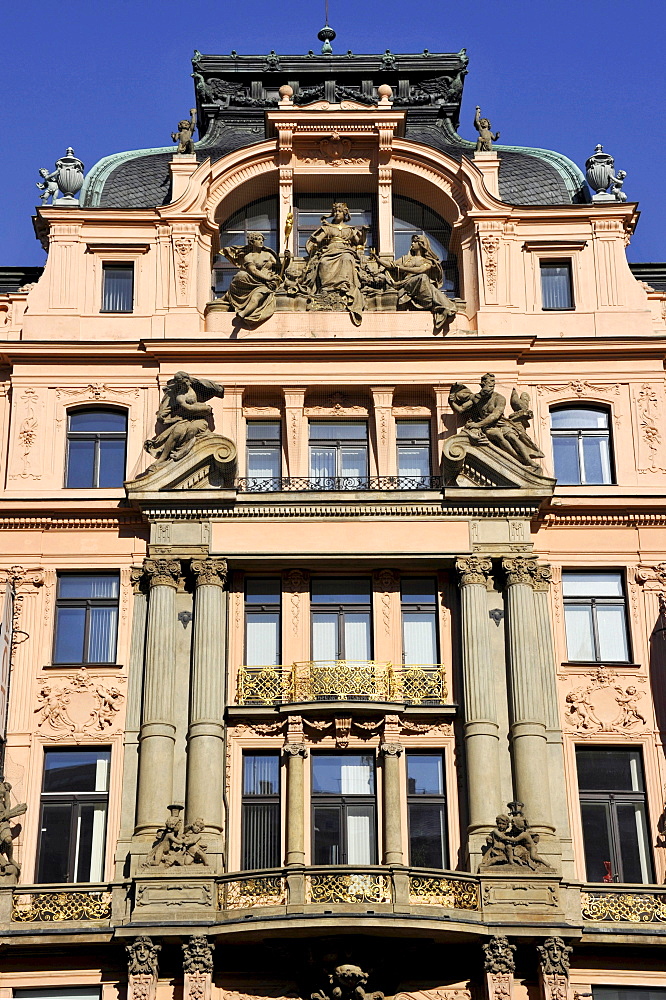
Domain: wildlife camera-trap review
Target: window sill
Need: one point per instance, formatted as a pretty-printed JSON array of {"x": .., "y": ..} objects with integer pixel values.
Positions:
[
  {"x": 78, "y": 666},
  {"x": 116, "y": 312},
  {"x": 564, "y": 309},
  {"x": 615, "y": 664}
]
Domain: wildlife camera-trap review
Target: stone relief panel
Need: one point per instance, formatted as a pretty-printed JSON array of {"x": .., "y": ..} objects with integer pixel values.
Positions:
[
  {"x": 27, "y": 448},
  {"x": 603, "y": 701},
  {"x": 79, "y": 707},
  {"x": 648, "y": 403}
]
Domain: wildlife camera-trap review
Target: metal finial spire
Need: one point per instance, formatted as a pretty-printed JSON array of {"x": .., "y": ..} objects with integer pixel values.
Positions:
[{"x": 326, "y": 35}]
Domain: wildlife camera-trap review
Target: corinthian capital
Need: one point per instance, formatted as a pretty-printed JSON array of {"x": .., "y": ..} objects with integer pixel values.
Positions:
[
  {"x": 391, "y": 749},
  {"x": 162, "y": 572},
  {"x": 521, "y": 569},
  {"x": 210, "y": 571},
  {"x": 474, "y": 569},
  {"x": 295, "y": 750},
  {"x": 543, "y": 578}
]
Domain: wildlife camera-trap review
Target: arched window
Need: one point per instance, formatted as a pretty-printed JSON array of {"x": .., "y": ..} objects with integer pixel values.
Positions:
[
  {"x": 410, "y": 218},
  {"x": 581, "y": 445},
  {"x": 257, "y": 217},
  {"x": 96, "y": 442}
]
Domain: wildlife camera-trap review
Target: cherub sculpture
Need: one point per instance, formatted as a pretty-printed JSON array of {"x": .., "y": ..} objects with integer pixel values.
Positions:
[
  {"x": 630, "y": 714},
  {"x": 184, "y": 414},
  {"x": 616, "y": 185},
  {"x": 347, "y": 982},
  {"x": 185, "y": 133},
  {"x": 484, "y": 143},
  {"x": 48, "y": 186},
  {"x": 512, "y": 842},
  {"x": 167, "y": 842}
]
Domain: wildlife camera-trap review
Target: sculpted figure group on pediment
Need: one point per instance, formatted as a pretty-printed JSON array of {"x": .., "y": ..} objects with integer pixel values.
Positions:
[{"x": 339, "y": 274}]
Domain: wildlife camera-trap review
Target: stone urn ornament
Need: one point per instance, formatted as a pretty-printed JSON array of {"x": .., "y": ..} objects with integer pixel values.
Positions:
[
  {"x": 600, "y": 174},
  {"x": 70, "y": 178}
]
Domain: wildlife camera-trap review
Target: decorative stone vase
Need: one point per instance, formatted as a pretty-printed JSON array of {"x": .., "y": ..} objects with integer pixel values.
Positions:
[
  {"x": 70, "y": 178},
  {"x": 599, "y": 172}
]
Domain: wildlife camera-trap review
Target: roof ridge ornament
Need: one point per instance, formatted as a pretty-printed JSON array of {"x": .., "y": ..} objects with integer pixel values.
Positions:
[{"x": 600, "y": 174}]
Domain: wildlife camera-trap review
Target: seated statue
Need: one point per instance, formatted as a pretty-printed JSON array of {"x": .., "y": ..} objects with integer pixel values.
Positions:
[
  {"x": 185, "y": 415},
  {"x": 418, "y": 277},
  {"x": 251, "y": 294},
  {"x": 333, "y": 268}
]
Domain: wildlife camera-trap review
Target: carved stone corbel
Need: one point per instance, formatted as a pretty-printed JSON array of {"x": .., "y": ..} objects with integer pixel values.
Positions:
[
  {"x": 142, "y": 971},
  {"x": 197, "y": 968},
  {"x": 554, "y": 968},
  {"x": 499, "y": 965}
]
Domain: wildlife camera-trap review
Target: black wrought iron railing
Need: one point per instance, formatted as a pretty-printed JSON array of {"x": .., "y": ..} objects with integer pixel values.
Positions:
[{"x": 332, "y": 484}]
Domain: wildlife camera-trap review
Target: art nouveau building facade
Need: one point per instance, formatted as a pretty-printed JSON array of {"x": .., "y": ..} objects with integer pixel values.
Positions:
[{"x": 368, "y": 650}]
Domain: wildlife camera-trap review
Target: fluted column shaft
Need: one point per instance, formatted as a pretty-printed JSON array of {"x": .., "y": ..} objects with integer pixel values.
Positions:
[
  {"x": 295, "y": 846},
  {"x": 528, "y": 725},
  {"x": 158, "y": 730},
  {"x": 205, "y": 734},
  {"x": 133, "y": 711},
  {"x": 391, "y": 789},
  {"x": 481, "y": 723}
]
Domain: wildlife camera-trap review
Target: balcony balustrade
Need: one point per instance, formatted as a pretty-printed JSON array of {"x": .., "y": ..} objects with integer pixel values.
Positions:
[
  {"x": 47, "y": 904},
  {"x": 335, "y": 484},
  {"x": 630, "y": 903},
  {"x": 342, "y": 680}
]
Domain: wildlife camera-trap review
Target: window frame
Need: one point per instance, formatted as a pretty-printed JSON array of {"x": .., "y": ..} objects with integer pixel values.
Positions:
[
  {"x": 582, "y": 432},
  {"x": 257, "y": 443},
  {"x": 87, "y": 602},
  {"x": 342, "y": 802},
  {"x": 339, "y": 609},
  {"x": 565, "y": 262},
  {"x": 360, "y": 482},
  {"x": 429, "y": 799},
  {"x": 274, "y": 800},
  {"x": 267, "y": 608},
  {"x": 118, "y": 265},
  {"x": 220, "y": 263},
  {"x": 593, "y": 602},
  {"x": 96, "y": 436},
  {"x": 414, "y": 442},
  {"x": 430, "y": 607}
]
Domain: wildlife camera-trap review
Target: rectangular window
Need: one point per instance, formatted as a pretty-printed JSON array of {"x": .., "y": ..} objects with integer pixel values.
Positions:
[
  {"x": 413, "y": 453},
  {"x": 581, "y": 446},
  {"x": 627, "y": 993},
  {"x": 426, "y": 806},
  {"x": 64, "y": 993},
  {"x": 419, "y": 621},
  {"x": 310, "y": 209},
  {"x": 73, "y": 816},
  {"x": 260, "y": 824},
  {"x": 264, "y": 454},
  {"x": 86, "y": 618},
  {"x": 341, "y": 619},
  {"x": 343, "y": 809},
  {"x": 117, "y": 288},
  {"x": 262, "y": 622},
  {"x": 614, "y": 815},
  {"x": 556, "y": 285},
  {"x": 595, "y": 617},
  {"x": 339, "y": 454}
]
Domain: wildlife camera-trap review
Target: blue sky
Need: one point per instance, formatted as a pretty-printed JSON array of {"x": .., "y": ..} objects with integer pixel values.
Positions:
[{"x": 104, "y": 77}]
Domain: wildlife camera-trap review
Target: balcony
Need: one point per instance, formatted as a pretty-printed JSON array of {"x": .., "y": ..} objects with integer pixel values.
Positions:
[
  {"x": 342, "y": 680},
  {"x": 336, "y": 484}
]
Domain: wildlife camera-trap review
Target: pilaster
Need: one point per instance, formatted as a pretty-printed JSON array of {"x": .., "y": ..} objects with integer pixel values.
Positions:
[
  {"x": 295, "y": 754},
  {"x": 385, "y": 433},
  {"x": 197, "y": 968},
  {"x": 296, "y": 431},
  {"x": 391, "y": 788}
]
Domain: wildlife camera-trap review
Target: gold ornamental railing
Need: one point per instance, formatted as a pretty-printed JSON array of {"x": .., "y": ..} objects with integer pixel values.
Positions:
[
  {"x": 630, "y": 905},
  {"x": 342, "y": 680},
  {"x": 56, "y": 905},
  {"x": 443, "y": 890}
]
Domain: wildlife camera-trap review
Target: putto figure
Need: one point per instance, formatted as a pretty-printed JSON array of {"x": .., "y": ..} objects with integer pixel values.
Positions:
[
  {"x": 185, "y": 134},
  {"x": 48, "y": 185},
  {"x": 512, "y": 843},
  {"x": 484, "y": 143},
  {"x": 185, "y": 415}
]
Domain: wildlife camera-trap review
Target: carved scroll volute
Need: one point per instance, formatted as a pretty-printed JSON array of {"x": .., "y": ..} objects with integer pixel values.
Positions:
[
  {"x": 499, "y": 966},
  {"x": 554, "y": 968},
  {"x": 197, "y": 968},
  {"x": 142, "y": 971}
]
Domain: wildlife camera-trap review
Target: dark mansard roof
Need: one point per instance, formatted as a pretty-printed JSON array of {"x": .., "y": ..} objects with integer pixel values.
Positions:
[{"x": 233, "y": 93}]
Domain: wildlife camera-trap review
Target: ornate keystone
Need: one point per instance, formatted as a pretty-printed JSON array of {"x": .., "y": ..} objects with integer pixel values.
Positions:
[
  {"x": 554, "y": 956},
  {"x": 162, "y": 572},
  {"x": 498, "y": 956},
  {"x": 391, "y": 749},
  {"x": 211, "y": 572},
  {"x": 521, "y": 570},
  {"x": 474, "y": 569},
  {"x": 295, "y": 750},
  {"x": 198, "y": 955}
]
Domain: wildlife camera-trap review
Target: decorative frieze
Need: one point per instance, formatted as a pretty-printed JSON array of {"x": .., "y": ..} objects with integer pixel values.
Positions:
[
  {"x": 79, "y": 706},
  {"x": 601, "y": 705}
]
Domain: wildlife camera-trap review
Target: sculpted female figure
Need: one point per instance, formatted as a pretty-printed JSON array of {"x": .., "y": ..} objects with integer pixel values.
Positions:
[
  {"x": 419, "y": 275},
  {"x": 333, "y": 259},
  {"x": 252, "y": 291}
]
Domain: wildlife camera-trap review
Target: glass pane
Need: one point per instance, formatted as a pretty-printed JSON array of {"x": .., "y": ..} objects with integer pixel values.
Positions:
[
  {"x": 76, "y": 770},
  {"x": 413, "y": 461},
  {"x": 343, "y": 774},
  {"x": 357, "y": 637},
  {"x": 596, "y": 460},
  {"x": 338, "y": 430},
  {"x": 565, "y": 460},
  {"x": 419, "y": 590},
  {"x": 262, "y": 639},
  {"x": 609, "y": 770},
  {"x": 419, "y": 637},
  {"x": 425, "y": 774},
  {"x": 360, "y": 839},
  {"x": 263, "y": 430},
  {"x": 580, "y": 638},
  {"x": 80, "y": 464},
  {"x": 615, "y": 993},
  {"x": 111, "y": 421},
  {"x": 427, "y": 835},
  {"x": 87, "y": 585},
  {"x": 322, "y": 463},
  {"x": 111, "y": 463},
  {"x": 632, "y": 828},
  {"x": 261, "y": 835},
  {"x": 68, "y": 993},
  {"x": 264, "y": 463},
  {"x": 612, "y": 630},
  {"x": 89, "y": 859},
  {"x": 261, "y": 774},
  {"x": 260, "y": 590},
  {"x": 70, "y": 627},
  {"x": 103, "y": 624},
  {"x": 592, "y": 584},
  {"x": 325, "y": 637},
  {"x": 54, "y": 844},
  {"x": 354, "y": 463},
  {"x": 118, "y": 289},
  {"x": 340, "y": 590},
  {"x": 327, "y": 835},
  {"x": 579, "y": 419},
  {"x": 555, "y": 286},
  {"x": 596, "y": 838},
  {"x": 413, "y": 429}
]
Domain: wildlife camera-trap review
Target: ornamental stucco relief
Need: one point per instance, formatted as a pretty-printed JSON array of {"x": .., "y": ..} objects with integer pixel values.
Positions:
[
  {"x": 79, "y": 706},
  {"x": 601, "y": 704}
]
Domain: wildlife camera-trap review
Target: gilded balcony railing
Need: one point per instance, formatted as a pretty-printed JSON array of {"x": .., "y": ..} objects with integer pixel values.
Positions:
[
  {"x": 444, "y": 890},
  {"x": 348, "y": 887},
  {"x": 630, "y": 905},
  {"x": 56, "y": 905},
  {"x": 257, "y": 890},
  {"x": 342, "y": 680}
]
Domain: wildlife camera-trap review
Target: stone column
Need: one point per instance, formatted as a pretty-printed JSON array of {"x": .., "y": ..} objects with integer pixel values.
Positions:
[
  {"x": 481, "y": 721},
  {"x": 205, "y": 734},
  {"x": 142, "y": 957},
  {"x": 197, "y": 968},
  {"x": 528, "y": 725},
  {"x": 554, "y": 968},
  {"x": 499, "y": 965},
  {"x": 158, "y": 731},
  {"x": 295, "y": 846},
  {"x": 393, "y": 852}
]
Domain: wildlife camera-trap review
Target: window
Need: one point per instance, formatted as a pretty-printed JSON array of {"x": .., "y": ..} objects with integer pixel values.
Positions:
[
  {"x": 343, "y": 809},
  {"x": 311, "y": 207},
  {"x": 96, "y": 441},
  {"x": 595, "y": 617},
  {"x": 411, "y": 219},
  {"x": 260, "y": 825},
  {"x": 117, "y": 288},
  {"x": 73, "y": 816},
  {"x": 262, "y": 622},
  {"x": 627, "y": 993},
  {"x": 581, "y": 446},
  {"x": 86, "y": 618},
  {"x": 264, "y": 454},
  {"x": 341, "y": 623},
  {"x": 413, "y": 453},
  {"x": 556, "y": 286},
  {"x": 612, "y": 805},
  {"x": 65, "y": 993},
  {"x": 419, "y": 621},
  {"x": 258, "y": 217},
  {"x": 339, "y": 454},
  {"x": 426, "y": 807}
]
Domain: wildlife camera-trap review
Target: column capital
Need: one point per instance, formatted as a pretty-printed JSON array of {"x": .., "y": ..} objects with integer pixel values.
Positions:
[
  {"x": 295, "y": 750},
  {"x": 544, "y": 577},
  {"x": 391, "y": 749},
  {"x": 474, "y": 570},
  {"x": 521, "y": 570},
  {"x": 162, "y": 572},
  {"x": 212, "y": 572}
]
